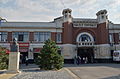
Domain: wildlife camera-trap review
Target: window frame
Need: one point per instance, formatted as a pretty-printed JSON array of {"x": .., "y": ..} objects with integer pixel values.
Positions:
[
  {"x": 3, "y": 36},
  {"x": 42, "y": 36},
  {"x": 58, "y": 39}
]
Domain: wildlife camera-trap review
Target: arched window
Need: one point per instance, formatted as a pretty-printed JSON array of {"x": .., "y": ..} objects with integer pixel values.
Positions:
[{"x": 84, "y": 37}]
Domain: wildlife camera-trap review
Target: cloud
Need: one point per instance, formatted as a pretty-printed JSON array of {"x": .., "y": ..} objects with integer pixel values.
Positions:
[
  {"x": 4, "y": 1},
  {"x": 47, "y": 10}
]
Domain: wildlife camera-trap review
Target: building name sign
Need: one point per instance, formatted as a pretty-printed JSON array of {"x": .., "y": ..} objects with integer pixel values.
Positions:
[{"x": 23, "y": 44}]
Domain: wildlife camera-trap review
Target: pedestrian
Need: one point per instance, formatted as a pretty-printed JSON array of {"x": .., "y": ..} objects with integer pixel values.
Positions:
[
  {"x": 78, "y": 60},
  {"x": 83, "y": 60},
  {"x": 86, "y": 60},
  {"x": 75, "y": 59},
  {"x": 26, "y": 61}
]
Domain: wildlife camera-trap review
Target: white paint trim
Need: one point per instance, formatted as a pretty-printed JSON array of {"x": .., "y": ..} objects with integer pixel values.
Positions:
[
  {"x": 32, "y": 30},
  {"x": 34, "y": 45},
  {"x": 114, "y": 31},
  {"x": 7, "y": 45},
  {"x": 68, "y": 45},
  {"x": 103, "y": 45}
]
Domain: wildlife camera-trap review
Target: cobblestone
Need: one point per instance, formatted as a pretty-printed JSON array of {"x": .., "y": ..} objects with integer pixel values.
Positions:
[
  {"x": 44, "y": 75},
  {"x": 32, "y": 72}
]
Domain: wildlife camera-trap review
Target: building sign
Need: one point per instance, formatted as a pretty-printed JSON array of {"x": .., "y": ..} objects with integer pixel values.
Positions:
[
  {"x": 23, "y": 44},
  {"x": 23, "y": 49},
  {"x": 36, "y": 50}
]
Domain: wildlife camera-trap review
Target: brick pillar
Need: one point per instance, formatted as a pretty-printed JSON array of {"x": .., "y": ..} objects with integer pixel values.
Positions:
[
  {"x": 67, "y": 33},
  {"x": 53, "y": 36},
  {"x": 9, "y": 37},
  {"x": 31, "y": 36},
  {"x": 102, "y": 34},
  {"x": 116, "y": 38}
]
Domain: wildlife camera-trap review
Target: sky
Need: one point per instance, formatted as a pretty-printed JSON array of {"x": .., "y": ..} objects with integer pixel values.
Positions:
[{"x": 47, "y": 10}]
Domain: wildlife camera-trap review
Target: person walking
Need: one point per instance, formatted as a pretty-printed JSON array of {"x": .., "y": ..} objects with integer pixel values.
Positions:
[
  {"x": 83, "y": 60},
  {"x": 78, "y": 60},
  {"x": 75, "y": 60},
  {"x": 86, "y": 60},
  {"x": 26, "y": 61}
]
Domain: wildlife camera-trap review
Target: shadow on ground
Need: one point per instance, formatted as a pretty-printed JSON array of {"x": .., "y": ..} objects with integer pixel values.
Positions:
[
  {"x": 113, "y": 77},
  {"x": 113, "y": 65}
]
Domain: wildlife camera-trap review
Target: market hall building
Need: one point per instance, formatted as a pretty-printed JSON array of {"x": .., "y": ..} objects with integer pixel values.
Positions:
[{"x": 95, "y": 39}]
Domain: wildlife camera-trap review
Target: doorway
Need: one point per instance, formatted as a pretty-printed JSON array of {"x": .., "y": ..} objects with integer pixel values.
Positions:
[
  {"x": 20, "y": 37},
  {"x": 86, "y": 53},
  {"x": 23, "y": 56}
]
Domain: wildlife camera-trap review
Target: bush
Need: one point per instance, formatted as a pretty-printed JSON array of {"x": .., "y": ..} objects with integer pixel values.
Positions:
[
  {"x": 49, "y": 58},
  {"x": 3, "y": 58}
]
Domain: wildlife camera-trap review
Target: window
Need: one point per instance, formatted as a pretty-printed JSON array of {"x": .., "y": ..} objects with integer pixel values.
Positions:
[
  {"x": 58, "y": 38},
  {"x": 3, "y": 36},
  {"x": 102, "y": 17},
  {"x": 84, "y": 37},
  {"x": 111, "y": 38},
  {"x": 41, "y": 36},
  {"x": 21, "y": 36}
]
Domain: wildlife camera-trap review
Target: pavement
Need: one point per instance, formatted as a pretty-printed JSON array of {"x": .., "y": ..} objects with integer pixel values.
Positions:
[
  {"x": 4, "y": 75},
  {"x": 96, "y": 71},
  {"x": 70, "y": 71}
]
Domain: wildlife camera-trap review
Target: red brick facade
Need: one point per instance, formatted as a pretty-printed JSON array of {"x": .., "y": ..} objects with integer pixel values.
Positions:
[
  {"x": 67, "y": 33},
  {"x": 53, "y": 36},
  {"x": 31, "y": 36},
  {"x": 9, "y": 37},
  {"x": 100, "y": 34},
  {"x": 116, "y": 38}
]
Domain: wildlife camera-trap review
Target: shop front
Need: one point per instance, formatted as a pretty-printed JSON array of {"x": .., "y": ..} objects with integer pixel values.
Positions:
[{"x": 24, "y": 51}]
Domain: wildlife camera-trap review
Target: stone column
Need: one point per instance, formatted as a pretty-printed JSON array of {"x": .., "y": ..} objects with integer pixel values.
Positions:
[{"x": 14, "y": 57}]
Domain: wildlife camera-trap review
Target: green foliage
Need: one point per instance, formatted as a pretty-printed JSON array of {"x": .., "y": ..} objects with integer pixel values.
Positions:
[
  {"x": 3, "y": 58},
  {"x": 49, "y": 58}
]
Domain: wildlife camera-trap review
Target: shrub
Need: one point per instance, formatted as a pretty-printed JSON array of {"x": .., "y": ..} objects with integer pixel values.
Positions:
[
  {"x": 49, "y": 58},
  {"x": 3, "y": 58}
]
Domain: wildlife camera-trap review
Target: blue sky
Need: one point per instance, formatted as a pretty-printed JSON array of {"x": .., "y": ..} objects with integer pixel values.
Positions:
[{"x": 47, "y": 10}]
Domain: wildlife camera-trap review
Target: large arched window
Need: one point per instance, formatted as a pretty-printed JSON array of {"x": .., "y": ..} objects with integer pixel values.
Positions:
[{"x": 84, "y": 37}]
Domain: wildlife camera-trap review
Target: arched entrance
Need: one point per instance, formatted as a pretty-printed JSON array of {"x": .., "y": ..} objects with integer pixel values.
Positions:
[
  {"x": 85, "y": 44},
  {"x": 86, "y": 52}
]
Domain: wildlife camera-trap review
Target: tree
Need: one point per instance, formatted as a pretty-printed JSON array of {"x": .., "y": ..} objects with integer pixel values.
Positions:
[
  {"x": 4, "y": 58},
  {"x": 48, "y": 57}
]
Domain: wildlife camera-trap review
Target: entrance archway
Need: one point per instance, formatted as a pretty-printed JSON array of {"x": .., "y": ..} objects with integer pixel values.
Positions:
[{"x": 85, "y": 52}]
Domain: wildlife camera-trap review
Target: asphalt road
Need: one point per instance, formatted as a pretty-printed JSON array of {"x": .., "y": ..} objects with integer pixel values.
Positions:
[{"x": 96, "y": 71}]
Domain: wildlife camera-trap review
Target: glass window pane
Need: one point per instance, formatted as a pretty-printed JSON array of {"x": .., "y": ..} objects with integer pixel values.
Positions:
[
  {"x": 3, "y": 36},
  {"x": 58, "y": 38}
]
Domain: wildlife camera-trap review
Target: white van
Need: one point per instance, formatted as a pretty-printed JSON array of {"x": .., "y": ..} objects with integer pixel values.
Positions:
[{"x": 116, "y": 55}]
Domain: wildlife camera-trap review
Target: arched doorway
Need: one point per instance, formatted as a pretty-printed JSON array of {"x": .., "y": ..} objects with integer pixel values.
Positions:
[
  {"x": 86, "y": 52},
  {"x": 85, "y": 42}
]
